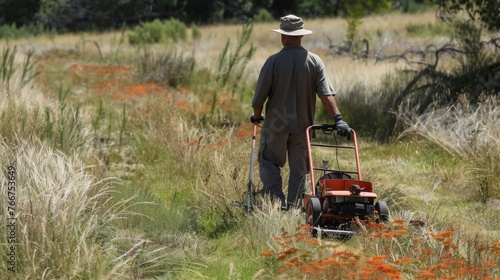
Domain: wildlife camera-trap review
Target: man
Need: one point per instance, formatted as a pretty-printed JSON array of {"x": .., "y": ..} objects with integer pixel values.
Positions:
[{"x": 288, "y": 84}]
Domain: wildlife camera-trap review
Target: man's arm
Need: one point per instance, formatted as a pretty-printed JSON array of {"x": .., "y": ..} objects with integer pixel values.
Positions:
[
  {"x": 257, "y": 113},
  {"x": 330, "y": 105}
]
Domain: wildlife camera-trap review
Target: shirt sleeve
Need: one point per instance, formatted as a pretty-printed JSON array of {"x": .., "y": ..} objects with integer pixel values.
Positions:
[
  {"x": 264, "y": 84},
  {"x": 323, "y": 84}
]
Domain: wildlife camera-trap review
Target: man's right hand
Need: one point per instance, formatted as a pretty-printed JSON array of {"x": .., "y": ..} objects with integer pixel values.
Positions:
[{"x": 256, "y": 120}]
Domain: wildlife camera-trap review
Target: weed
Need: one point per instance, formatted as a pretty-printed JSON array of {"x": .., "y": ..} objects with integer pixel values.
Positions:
[
  {"x": 231, "y": 66},
  {"x": 8, "y": 67}
]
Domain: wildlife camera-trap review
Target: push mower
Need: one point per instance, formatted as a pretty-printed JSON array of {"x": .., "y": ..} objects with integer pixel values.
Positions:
[{"x": 340, "y": 200}]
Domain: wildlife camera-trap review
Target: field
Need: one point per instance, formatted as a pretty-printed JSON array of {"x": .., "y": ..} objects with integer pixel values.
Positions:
[{"x": 122, "y": 162}]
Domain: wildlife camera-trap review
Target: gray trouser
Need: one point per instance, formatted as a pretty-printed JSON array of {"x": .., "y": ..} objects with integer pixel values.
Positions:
[{"x": 273, "y": 151}]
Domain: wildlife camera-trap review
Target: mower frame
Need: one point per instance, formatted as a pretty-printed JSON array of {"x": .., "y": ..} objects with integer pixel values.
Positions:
[{"x": 339, "y": 201}]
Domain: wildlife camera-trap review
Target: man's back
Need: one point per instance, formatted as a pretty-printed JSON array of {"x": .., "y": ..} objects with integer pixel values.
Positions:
[{"x": 290, "y": 79}]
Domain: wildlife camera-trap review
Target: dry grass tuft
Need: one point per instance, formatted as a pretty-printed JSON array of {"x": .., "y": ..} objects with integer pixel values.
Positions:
[
  {"x": 61, "y": 212},
  {"x": 471, "y": 134}
]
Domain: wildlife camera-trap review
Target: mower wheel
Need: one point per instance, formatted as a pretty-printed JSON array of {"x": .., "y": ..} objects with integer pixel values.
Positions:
[
  {"x": 313, "y": 213},
  {"x": 383, "y": 211}
]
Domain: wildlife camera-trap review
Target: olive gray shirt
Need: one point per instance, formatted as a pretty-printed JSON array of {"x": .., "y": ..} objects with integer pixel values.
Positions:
[{"x": 290, "y": 80}]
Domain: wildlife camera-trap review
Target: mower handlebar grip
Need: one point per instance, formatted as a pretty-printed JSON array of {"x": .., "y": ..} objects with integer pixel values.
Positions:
[{"x": 326, "y": 128}]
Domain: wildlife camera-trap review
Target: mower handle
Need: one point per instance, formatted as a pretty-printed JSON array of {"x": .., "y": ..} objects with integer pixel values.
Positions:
[{"x": 328, "y": 129}]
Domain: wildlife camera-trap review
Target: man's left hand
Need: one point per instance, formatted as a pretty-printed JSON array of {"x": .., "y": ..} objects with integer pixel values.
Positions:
[{"x": 343, "y": 128}]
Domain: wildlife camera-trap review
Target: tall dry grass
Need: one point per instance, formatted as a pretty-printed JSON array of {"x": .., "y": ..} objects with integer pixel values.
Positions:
[
  {"x": 61, "y": 213},
  {"x": 470, "y": 134},
  {"x": 63, "y": 209},
  {"x": 29, "y": 114}
]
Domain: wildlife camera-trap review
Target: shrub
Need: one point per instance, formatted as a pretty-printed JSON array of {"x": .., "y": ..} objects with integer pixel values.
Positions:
[
  {"x": 157, "y": 31},
  {"x": 12, "y": 32},
  {"x": 195, "y": 32},
  {"x": 263, "y": 16}
]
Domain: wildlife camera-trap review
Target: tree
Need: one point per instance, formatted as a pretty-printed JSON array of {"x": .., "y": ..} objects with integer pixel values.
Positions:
[
  {"x": 18, "y": 12},
  {"x": 485, "y": 11},
  {"x": 103, "y": 14}
]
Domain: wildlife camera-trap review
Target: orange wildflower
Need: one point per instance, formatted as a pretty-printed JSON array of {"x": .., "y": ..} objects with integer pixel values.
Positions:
[
  {"x": 387, "y": 235},
  {"x": 288, "y": 252},
  {"x": 442, "y": 235},
  {"x": 266, "y": 253},
  {"x": 281, "y": 257},
  {"x": 400, "y": 231},
  {"x": 284, "y": 244},
  {"x": 403, "y": 260},
  {"x": 183, "y": 90},
  {"x": 306, "y": 227},
  {"x": 366, "y": 272},
  {"x": 447, "y": 277},
  {"x": 425, "y": 274},
  {"x": 288, "y": 264},
  {"x": 243, "y": 132},
  {"x": 374, "y": 226},
  {"x": 439, "y": 267},
  {"x": 377, "y": 259},
  {"x": 312, "y": 242},
  {"x": 490, "y": 263},
  {"x": 345, "y": 255},
  {"x": 183, "y": 104},
  {"x": 399, "y": 221}
]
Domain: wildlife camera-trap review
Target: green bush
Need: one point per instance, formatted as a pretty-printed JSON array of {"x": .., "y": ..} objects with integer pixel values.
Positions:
[
  {"x": 263, "y": 16},
  {"x": 195, "y": 32},
  {"x": 158, "y": 31},
  {"x": 12, "y": 32},
  {"x": 415, "y": 6}
]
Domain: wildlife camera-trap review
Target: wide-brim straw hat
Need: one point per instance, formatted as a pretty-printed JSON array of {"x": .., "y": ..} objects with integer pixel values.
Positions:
[{"x": 292, "y": 25}]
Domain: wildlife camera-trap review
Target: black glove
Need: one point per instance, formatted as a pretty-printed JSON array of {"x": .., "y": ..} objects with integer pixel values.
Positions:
[
  {"x": 255, "y": 120},
  {"x": 343, "y": 128}
]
